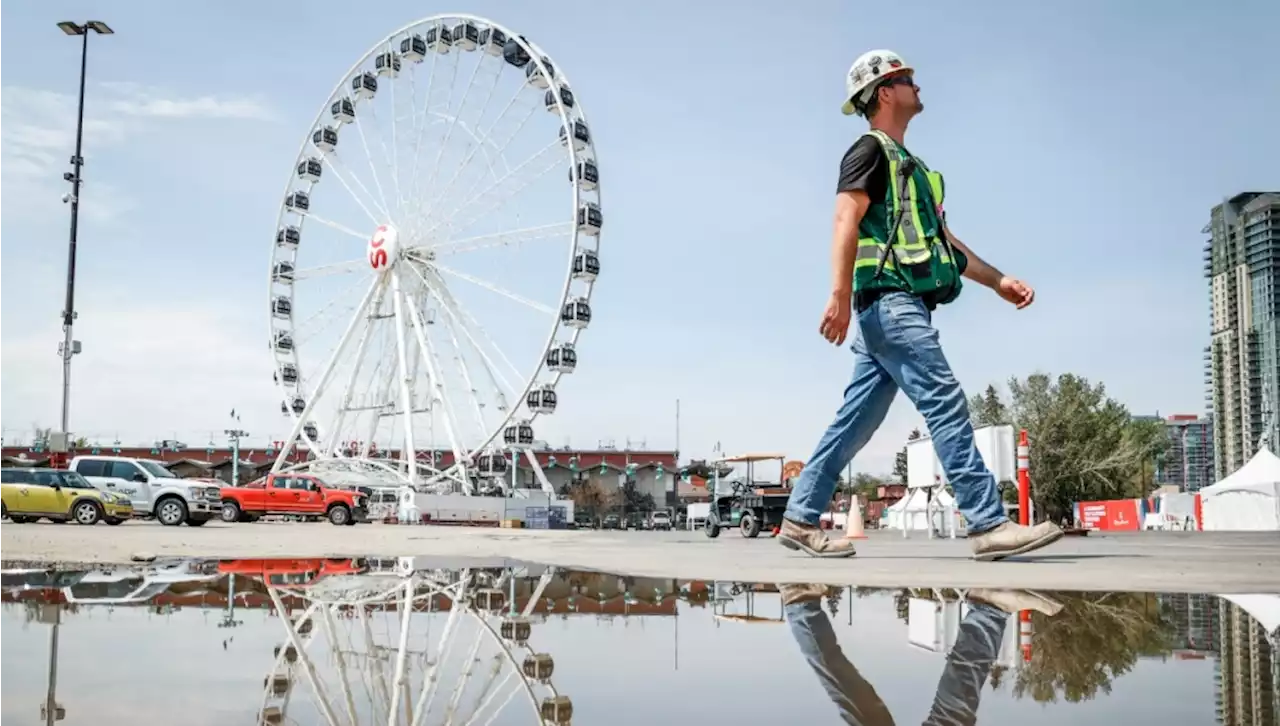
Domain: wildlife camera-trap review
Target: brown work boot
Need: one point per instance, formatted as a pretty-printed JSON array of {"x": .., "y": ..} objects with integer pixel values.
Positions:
[
  {"x": 795, "y": 592},
  {"x": 1011, "y": 601},
  {"x": 813, "y": 541},
  {"x": 1013, "y": 539}
]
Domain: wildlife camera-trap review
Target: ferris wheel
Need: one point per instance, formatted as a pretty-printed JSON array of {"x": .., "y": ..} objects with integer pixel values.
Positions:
[
  {"x": 434, "y": 258},
  {"x": 426, "y": 647}
]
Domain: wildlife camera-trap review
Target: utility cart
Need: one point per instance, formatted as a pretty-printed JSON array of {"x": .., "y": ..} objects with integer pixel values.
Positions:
[{"x": 749, "y": 505}]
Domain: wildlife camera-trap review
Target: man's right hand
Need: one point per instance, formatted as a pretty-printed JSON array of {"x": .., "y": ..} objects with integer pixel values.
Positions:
[{"x": 835, "y": 319}]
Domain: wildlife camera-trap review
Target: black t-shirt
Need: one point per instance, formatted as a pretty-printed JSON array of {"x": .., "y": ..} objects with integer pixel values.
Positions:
[{"x": 864, "y": 168}]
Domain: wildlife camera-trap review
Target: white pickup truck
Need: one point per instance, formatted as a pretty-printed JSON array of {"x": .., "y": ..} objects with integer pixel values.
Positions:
[{"x": 154, "y": 490}]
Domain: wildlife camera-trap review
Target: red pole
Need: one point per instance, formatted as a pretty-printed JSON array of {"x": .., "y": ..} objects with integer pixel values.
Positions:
[
  {"x": 1025, "y": 630},
  {"x": 1024, "y": 479}
]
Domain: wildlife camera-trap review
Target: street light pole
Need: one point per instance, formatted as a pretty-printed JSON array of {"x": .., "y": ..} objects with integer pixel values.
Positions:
[{"x": 70, "y": 346}]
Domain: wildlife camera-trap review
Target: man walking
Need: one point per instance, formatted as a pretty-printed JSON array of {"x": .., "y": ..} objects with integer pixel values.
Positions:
[{"x": 893, "y": 262}]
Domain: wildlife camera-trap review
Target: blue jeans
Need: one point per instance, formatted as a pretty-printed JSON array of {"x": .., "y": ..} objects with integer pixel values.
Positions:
[
  {"x": 959, "y": 689},
  {"x": 897, "y": 347}
]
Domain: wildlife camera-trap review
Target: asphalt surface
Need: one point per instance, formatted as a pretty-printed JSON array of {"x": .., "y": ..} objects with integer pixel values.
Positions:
[{"x": 1140, "y": 561}]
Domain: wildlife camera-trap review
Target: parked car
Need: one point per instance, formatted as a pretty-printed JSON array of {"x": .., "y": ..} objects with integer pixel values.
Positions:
[
  {"x": 59, "y": 496},
  {"x": 153, "y": 489},
  {"x": 660, "y": 520},
  {"x": 293, "y": 494}
]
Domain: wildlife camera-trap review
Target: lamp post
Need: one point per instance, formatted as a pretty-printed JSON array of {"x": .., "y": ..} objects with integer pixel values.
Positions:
[{"x": 70, "y": 347}]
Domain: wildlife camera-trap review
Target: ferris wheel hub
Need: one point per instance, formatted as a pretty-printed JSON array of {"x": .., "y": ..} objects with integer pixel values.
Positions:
[{"x": 384, "y": 248}]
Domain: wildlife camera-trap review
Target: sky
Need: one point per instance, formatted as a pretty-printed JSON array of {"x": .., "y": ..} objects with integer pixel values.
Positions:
[{"x": 1084, "y": 144}]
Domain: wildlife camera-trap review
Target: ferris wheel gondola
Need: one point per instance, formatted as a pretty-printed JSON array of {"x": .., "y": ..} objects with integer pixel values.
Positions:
[{"x": 432, "y": 268}]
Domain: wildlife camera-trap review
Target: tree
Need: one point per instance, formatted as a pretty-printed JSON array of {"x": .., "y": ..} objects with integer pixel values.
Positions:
[
  {"x": 988, "y": 409},
  {"x": 868, "y": 485},
  {"x": 900, "y": 460},
  {"x": 1084, "y": 445},
  {"x": 1097, "y": 638},
  {"x": 630, "y": 499},
  {"x": 588, "y": 496}
]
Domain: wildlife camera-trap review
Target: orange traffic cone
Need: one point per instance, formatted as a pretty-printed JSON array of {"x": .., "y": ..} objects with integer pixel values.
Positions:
[{"x": 853, "y": 521}]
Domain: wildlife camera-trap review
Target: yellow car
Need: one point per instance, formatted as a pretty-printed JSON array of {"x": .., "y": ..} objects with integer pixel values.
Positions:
[{"x": 59, "y": 496}]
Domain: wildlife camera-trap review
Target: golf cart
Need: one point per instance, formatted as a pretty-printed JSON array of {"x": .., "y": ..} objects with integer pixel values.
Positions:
[{"x": 745, "y": 503}]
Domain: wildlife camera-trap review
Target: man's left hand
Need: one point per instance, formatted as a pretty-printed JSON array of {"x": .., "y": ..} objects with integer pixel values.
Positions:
[{"x": 1016, "y": 291}]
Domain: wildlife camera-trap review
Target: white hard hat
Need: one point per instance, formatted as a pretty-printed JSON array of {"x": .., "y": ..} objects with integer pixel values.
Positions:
[{"x": 869, "y": 68}]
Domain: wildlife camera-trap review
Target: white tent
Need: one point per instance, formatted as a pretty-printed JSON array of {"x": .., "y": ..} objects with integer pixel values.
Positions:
[
  {"x": 912, "y": 511},
  {"x": 1248, "y": 500}
]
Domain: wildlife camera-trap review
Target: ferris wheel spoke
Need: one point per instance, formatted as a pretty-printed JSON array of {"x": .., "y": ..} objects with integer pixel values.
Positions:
[
  {"x": 421, "y": 126},
  {"x": 395, "y": 158},
  {"x": 329, "y": 223},
  {"x": 302, "y": 331},
  {"x": 349, "y": 390},
  {"x": 477, "y": 145},
  {"x": 482, "y": 706},
  {"x": 454, "y": 314},
  {"x": 509, "y": 238},
  {"x": 523, "y": 175},
  {"x": 495, "y": 289},
  {"x": 328, "y": 160},
  {"x": 386, "y": 152},
  {"x": 377, "y": 181},
  {"x": 499, "y": 396},
  {"x": 452, "y": 121},
  {"x": 474, "y": 329},
  {"x": 378, "y": 204},
  {"x": 336, "y": 268},
  {"x": 470, "y": 386},
  {"x": 327, "y": 373}
]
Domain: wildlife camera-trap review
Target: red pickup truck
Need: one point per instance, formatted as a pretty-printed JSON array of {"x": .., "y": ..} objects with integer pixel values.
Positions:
[{"x": 295, "y": 494}]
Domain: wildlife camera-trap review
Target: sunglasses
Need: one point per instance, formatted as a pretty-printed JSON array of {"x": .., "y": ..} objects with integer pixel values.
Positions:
[{"x": 902, "y": 80}]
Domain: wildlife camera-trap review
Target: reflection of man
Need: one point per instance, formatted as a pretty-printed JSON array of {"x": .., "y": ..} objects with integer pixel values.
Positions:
[{"x": 968, "y": 663}]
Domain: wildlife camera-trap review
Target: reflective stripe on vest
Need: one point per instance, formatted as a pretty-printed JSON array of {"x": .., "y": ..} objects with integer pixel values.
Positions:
[{"x": 912, "y": 245}]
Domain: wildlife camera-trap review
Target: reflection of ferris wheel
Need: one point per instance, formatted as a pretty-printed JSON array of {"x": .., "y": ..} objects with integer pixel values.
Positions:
[
  {"x": 424, "y": 221},
  {"x": 469, "y": 664}
]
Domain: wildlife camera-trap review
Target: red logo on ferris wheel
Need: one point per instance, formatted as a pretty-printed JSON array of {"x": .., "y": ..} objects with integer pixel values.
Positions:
[{"x": 377, "y": 253}]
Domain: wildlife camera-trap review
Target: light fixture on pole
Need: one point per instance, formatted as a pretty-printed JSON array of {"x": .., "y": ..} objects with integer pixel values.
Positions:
[
  {"x": 69, "y": 346},
  {"x": 235, "y": 435}
]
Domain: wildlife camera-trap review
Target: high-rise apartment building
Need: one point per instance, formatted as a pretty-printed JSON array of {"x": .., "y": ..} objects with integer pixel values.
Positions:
[
  {"x": 1187, "y": 462},
  {"x": 1242, "y": 361}
]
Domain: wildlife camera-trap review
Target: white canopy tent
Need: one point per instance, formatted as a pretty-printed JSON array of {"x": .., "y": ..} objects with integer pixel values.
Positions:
[
  {"x": 921, "y": 507},
  {"x": 1247, "y": 500}
]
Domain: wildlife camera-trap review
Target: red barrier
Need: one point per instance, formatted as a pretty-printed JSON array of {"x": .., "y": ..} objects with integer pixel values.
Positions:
[{"x": 1114, "y": 514}]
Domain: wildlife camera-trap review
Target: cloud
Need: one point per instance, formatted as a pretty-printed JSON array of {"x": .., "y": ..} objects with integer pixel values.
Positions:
[
  {"x": 37, "y": 137},
  {"x": 142, "y": 101}
]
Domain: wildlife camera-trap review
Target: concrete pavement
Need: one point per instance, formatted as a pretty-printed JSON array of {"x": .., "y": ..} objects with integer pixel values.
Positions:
[{"x": 1139, "y": 561}]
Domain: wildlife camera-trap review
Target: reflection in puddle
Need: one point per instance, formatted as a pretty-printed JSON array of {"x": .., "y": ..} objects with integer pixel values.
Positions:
[{"x": 413, "y": 641}]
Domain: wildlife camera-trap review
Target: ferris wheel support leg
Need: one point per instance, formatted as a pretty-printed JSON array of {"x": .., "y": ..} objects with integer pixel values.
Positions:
[
  {"x": 423, "y": 705},
  {"x": 400, "y": 680},
  {"x": 308, "y": 668},
  {"x": 301, "y": 419},
  {"x": 537, "y": 591},
  {"x": 380, "y": 677},
  {"x": 538, "y": 473},
  {"x": 361, "y": 347},
  {"x": 438, "y": 395},
  {"x": 409, "y": 454},
  {"x": 331, "y": 634}
]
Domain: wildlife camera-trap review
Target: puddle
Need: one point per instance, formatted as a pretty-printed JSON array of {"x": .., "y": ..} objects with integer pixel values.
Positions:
[{"x": 500, "y": 642}]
